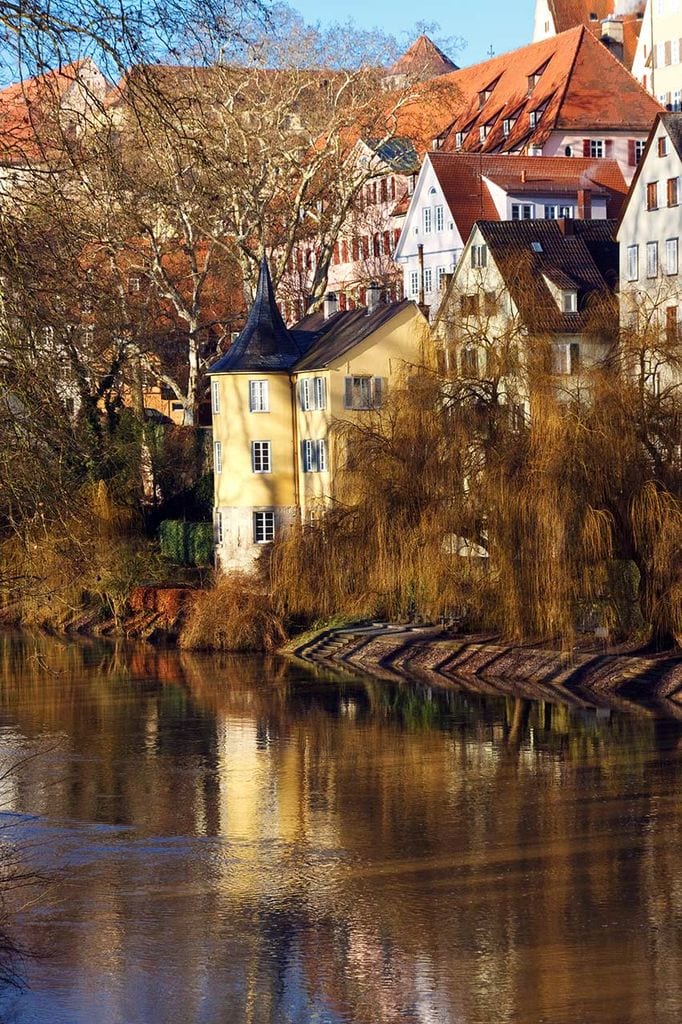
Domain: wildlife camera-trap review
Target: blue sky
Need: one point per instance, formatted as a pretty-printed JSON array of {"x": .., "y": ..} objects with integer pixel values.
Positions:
[{"x": 497, "y": 23}]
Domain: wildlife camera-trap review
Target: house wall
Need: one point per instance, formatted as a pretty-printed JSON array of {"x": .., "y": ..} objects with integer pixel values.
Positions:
[
  {"x": 651, "y": 296},
  {"x": 238, "y": 491},
  {"x": 617, "y": 146},
  {"x": 662, "y": 74},
  {"x": 543, "y": 24},
  {"x": 441, "y": 248}
]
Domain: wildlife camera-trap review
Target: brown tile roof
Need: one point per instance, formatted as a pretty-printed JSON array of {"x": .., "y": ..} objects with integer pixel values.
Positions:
[
  {"x": 324, "y": 341},
  {"x": 576, "y": 254},
  {"x": 569, "y": 13},
  {"x": 460, "y": 177},
  {"x": 423, "y": 59},
  {"x": 581, "y": 87}
]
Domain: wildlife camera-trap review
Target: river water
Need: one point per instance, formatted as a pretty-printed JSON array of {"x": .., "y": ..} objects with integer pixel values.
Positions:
[{"x": 240, "y": 841}]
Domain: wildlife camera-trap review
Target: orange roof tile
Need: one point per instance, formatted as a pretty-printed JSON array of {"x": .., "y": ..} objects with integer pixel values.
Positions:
[
  {"x": 26, "y": 110},
  {"x": 424, "y": 59},
  {"x": 580, "y": 86}
]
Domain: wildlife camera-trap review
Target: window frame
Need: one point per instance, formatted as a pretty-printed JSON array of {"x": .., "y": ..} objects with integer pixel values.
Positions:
[
  {"x": 261, "y": 452},
  {"x": 439, "y": 217},
  {"x": 672, "y": 244},
  {"x": 632, "y": 257},
  {"x": 259, "y": 395},
  {"x": 263, "y": 523},
  {"x": 215, "y": 397},
  {"x": 652, "y": 195},
  {"x": 427, "y": 220},
  {"x": 652, "y": 260},
  {"x": 217, "y": 457}
]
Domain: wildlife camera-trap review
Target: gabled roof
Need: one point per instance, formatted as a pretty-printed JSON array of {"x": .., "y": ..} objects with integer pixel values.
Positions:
[
  {"x": 463, "y": 179},
  {"x": 581, "y": 87},
  {"x": 423, "y": 59},
  {"x": 264, "y": 345},
  {"x": 672, "y": 122},
  {"x": 328, "y": 340},
  {"x": 578, "y": 255}
]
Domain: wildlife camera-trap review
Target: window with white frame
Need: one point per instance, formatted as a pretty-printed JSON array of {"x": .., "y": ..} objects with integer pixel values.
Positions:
[
  {"x": 569, "y": 301},
  {"x": 312, "y": 393},
  {"x": 597, "y": 149},
  {"x": 215, "y": 397},
  {"x": 48, "y": 335},
  {"x": 633, "y": 262},
  {"x": 439, "y": 218},
  {"x": 427, "y": 219},
  {"x": 469, "y": 361},
  {"x": 414, "y": 282},
  {"x": 459, "y": 139},
  {"x": 217, "y": 457},
  {"x": 263, "y": 527},
  {"x": 564, "y": 358},
  {"x": 261, "y": 457},
  {"x": 533, "y": 118},
  {"x": 640, "y": 146},
  {"x": 676, "y": 102},
  {"x": 258, "y": 396},
  {"x": 522, "y": 211},
  {"x": 551, "y": 212},
  {"x": 363, "y": 392},
  {"x": 428, "y": 280},
  {"x": 219, "y": 533},
  {"x": 314, "y": 455},
  {"x": 652, "y": 259},
  {"x": 567, "y": 211},
  {"x": 440, "y": 274},
  {"x": 479, "y": 256},
  {"x": 671, "y": 255}
]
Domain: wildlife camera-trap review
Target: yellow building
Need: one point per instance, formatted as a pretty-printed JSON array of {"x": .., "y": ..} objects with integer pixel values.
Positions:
[{"x": 276, "y": 397}]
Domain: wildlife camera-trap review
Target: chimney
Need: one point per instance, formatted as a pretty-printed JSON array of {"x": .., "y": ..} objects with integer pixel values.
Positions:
[
  {"x": 420, "y": 254},
  {"x": 565, "y": 226},
  {"x": 331, "y": 304},
  {"x": 373, "y": 297},
  {"x": 612, "y": 36},
  {"x": 584, "y": 204}
]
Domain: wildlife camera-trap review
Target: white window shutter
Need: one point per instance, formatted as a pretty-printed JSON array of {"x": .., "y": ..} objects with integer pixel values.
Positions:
[
  {"x": 321, "y": 456},
  {"x": 379, "y": 396}
]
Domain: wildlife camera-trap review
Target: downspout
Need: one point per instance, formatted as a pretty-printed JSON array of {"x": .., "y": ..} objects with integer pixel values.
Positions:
[
  {"x": 294, "y": 434},
  {"x": 420, "y": 255}
]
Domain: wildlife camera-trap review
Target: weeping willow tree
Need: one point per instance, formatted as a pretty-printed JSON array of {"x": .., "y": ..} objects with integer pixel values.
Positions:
[{"x": 494, "y": 489}]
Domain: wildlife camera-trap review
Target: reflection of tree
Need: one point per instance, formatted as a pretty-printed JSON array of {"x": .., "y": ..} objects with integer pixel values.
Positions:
[{"x": 368, "y": 851}]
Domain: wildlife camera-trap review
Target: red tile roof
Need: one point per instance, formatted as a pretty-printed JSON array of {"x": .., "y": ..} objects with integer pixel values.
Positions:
[
  {"x": 27, "y": 112},
  {"x": 580, "y": 86},
  {"x": 569, "y": 13},
  {"x": 424, "y": 59},
  {"x": 461, "y": 178}
]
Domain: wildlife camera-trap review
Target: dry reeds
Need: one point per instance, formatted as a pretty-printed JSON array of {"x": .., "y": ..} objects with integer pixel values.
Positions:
[{"x": 237, "y": 614}]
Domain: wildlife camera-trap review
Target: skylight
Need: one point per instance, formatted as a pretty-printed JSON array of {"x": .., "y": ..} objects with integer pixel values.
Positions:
[{"x": 536, "y": 246}]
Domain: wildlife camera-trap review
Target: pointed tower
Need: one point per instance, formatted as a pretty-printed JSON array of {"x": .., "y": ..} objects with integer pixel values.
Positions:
[
  {"x": 253, "y": 433},
  {"x": 423, "y": 60}
]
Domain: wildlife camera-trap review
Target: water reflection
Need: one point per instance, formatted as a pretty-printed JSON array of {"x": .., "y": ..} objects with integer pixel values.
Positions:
[{"x": 241, "y": 840}]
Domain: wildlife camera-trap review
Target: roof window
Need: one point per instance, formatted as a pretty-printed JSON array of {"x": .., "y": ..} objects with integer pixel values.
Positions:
[{"x": 536, "y": 246}]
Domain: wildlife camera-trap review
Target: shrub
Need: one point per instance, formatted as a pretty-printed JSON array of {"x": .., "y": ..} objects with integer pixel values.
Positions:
[{"x": 237, "y": 614}]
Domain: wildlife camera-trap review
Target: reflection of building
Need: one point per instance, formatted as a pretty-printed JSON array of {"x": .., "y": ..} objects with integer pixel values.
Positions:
[{"x": 277, "y": 396}]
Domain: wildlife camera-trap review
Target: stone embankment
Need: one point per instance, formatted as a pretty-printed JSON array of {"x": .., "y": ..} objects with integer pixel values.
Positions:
[{"x": 590, "y": 675}]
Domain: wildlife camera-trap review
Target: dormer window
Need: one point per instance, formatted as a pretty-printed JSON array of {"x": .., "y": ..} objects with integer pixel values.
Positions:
[
  {"x": 483, "y": 132},
  {"x": 459, "y": 139},
  {"x": 569, "y": 301},
  {"x": 534, "y": 117},
  {"x": 535, "y": 77},
  {"x": 507, "y": 125}
]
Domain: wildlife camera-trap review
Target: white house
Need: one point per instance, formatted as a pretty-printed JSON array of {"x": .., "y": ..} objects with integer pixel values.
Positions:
[
  {"x": 649, "y": 235},
  {"x": 657, "y": 62},
  {"x": 454, "y": 190}
]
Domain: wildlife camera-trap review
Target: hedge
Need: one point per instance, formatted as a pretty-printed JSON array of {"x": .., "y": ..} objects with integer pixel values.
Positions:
[{"x": 186, "y": 543}]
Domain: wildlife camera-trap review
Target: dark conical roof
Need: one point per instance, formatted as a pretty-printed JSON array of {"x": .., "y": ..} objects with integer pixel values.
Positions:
[{"x": 264, "y": 344}]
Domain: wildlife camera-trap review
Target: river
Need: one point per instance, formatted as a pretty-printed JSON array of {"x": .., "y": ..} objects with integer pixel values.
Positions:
[{"x": 233, "y": 840}]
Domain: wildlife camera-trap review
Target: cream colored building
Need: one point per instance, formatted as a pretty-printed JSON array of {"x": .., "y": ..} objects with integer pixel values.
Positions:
[
  {"x": 276, "y": 397},
  {"x": 530, "y": 297},
  {"x": 658, "y": 58}
]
